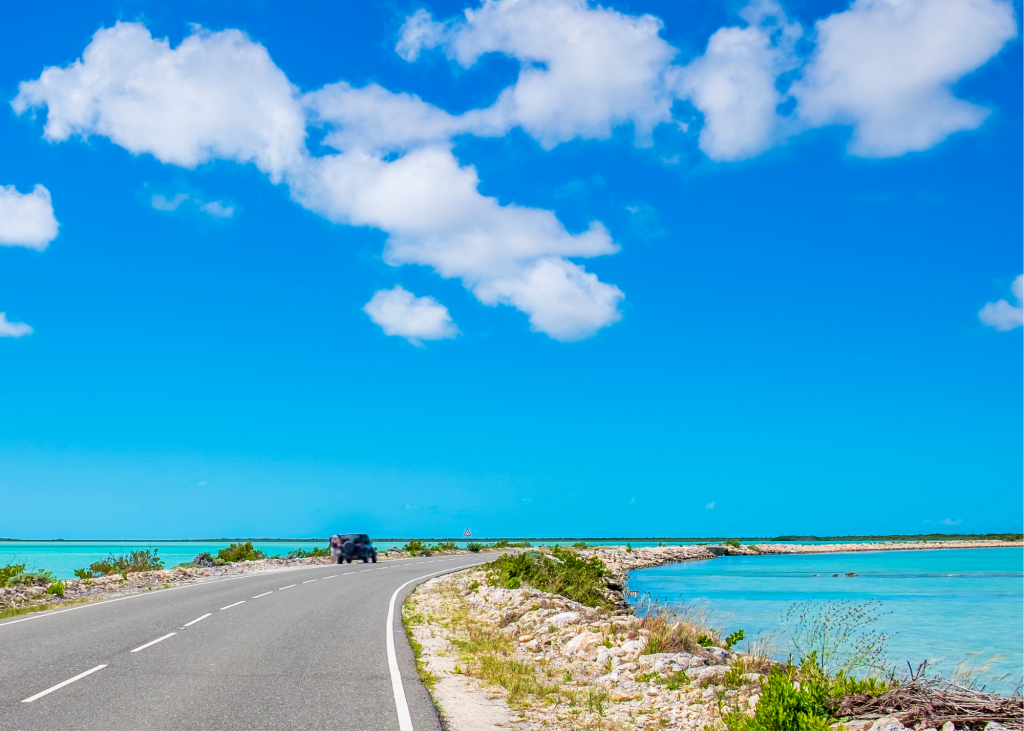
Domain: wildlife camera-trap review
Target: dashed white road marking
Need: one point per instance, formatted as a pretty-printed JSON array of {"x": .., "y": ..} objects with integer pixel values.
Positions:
[
  {"x": 58, "y": 686},
  {"x": 150, "y": 644},
  {"x": 286, "y": 587},
  {"x": 325, "y": 578},
  {"x": 365, "y": 570},
  {"x": 198, "y": 619},
  {"x": 309, "y": 582},
  {"x": 232, "y": 605},
  {"x": 263, "y": 594}
]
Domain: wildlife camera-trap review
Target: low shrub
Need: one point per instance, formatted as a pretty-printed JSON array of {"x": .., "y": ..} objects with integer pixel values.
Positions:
[
  {"x": 732, "y": 542},
  {"x": 445, "y": 546},
  {"x": 416, "y": 548},
  {"x": 560, "y": 572},
  {"x": 475, "y": 547},
  {"x": 580, "y": 545},
  {"x": 56, "y": 588},
  {"x": 31, "y": 578},
  {"x": 9, "y": 571},
  {"x": 732, "y": 639},
  {"x": 240, "y": 552},
  {"x": 312, "y": 553},
  {"x": 128, "y": 563}
]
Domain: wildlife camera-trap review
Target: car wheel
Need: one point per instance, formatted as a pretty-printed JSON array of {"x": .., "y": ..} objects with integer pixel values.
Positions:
[
  {"x": 348, "y": 560},
  {"x": 366, "y": 560},
  {"x": 375, "y": 558}
]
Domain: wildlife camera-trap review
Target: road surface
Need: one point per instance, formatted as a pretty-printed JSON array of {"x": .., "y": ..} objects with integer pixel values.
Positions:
[{"x": 293, "y": 650}]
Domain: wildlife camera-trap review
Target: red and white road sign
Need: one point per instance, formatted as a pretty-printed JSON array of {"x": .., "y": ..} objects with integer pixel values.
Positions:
[{"x": 468, "y": 533}]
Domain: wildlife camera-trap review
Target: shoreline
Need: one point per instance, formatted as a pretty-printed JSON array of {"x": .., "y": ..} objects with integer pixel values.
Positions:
[{"x": 496, "y": 658}]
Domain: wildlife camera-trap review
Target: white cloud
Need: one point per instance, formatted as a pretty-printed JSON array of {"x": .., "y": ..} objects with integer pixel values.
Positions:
[
  {"x": 217, "y": 95},
  {"x": 733, "y": 83},
  {"x": 436, "y": 217},
  {"x": 400, "y": 312},
  {"x": 887, "y": 68},
  {"x": 584, "y": 69},
  {"x": 710, "y": 506},
  {"x": 217, "y": 209},
  {"x": 1002, "y": 315},
  {"x": 950, "y": 521},
  {"x": 13, "y": 329},
  {"x": 26, "y": 219}
]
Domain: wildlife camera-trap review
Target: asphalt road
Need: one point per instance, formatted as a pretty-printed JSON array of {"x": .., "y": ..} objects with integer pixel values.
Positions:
[{"x": 293, "y": 650}]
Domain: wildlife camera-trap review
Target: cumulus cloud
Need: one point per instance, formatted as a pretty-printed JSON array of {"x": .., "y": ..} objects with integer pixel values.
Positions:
[
  {"x": 950, "y": 521},
  {"x": 1002, "y": 315},
  {"x": 400, "y": 312},
  {"x": 235, "y": 104},
  {"x": 217, "y": 95},
  {"x": 436, "y": 217},
  {"x": 886, "y": 67},
  {"x": 26, "y": 219},
  {"x": 733, "y": 82},
  {"x": 584, "y": 69},
  {"x": 10, "y": 329}
]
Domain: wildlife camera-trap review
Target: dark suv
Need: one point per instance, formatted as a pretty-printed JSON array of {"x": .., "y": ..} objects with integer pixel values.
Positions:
[{"x": 347, "y": 547}]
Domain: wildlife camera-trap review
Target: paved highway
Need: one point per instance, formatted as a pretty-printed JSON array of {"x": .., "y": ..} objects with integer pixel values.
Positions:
[{"x": 301, "y": 649}]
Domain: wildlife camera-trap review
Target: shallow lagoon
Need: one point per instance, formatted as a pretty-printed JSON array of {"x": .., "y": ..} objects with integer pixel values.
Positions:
[{"x": 944, "y": 606}]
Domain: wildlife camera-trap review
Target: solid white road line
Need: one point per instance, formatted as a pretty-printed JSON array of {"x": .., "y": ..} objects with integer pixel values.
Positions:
[
  {"x": 286, "y": 587},
  {"x": 150, "y": 644},
  {"x": 58, "y": 686},
  {"x": 263, "y": 594},
  {"x": 200, "y": 619},
  {"x": 232, "y": 605},
  {"x": 401, "y": 704},
  {"x": 309, "y": 582}
]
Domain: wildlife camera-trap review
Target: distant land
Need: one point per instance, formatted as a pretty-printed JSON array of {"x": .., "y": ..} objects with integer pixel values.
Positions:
[{"x": 893, "y": 537}]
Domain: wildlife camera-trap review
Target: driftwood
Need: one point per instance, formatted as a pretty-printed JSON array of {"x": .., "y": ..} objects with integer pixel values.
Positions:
[{"x": 929, "y": 702}]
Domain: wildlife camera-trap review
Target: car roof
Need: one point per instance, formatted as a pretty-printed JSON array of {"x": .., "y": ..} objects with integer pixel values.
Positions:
[{"x": 355, "y": 536}]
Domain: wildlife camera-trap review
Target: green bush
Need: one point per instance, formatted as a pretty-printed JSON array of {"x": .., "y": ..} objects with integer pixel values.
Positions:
[
  {"x": 9, "y": 571},
  {"x": 445, "y": 546},
  {"x": 580, "y": 545},
  {"x": 312, "y": 553},
  {"x": 31, "y": 578},
  {"x": 57, "y": 588},
  {"x": 732, "y": 542},
  {"x": 129, "y": 563},
  {"x": 240, "y": 552},
  {"x": 786, "y": 705},
  {"x": 562, "y": 572},
  {"x": 475, "y": 547},
  {"x": 416, "y": 548}
]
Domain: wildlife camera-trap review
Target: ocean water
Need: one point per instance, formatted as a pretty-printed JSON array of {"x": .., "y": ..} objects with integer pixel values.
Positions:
[
  {"x": 63, "y": 557},
  {"x": 944, "y": 606}
]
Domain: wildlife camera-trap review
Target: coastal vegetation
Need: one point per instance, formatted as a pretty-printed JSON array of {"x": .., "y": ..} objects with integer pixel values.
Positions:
[
  {"x": 15, "y": 575},
  {"x": 560, "y": 571},
  {"x": 240, "y": 552},
  {"x": 129, "y": 563}
]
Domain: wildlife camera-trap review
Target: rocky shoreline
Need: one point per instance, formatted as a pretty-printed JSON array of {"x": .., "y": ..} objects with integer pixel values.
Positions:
[{"x": 497, "y": 658}]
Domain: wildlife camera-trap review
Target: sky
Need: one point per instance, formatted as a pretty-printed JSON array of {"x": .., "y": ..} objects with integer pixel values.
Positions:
[{"x": 531, "y": 268}]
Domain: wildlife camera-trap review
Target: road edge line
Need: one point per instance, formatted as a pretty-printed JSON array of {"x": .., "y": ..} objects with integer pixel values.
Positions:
[{"x": 401, "y": 703}]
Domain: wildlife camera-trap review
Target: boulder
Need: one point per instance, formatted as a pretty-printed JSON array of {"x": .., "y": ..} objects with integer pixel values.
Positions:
[
  {"x": 581, "y": 643},
  {"x": 993, "y": 726},
  {"x": 887, "y": 723},
  {"x": 564, "y": 619}
]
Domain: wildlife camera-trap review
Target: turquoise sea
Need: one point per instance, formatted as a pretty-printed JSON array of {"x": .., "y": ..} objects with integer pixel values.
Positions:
[
  {"x": 63, "y": 557},
  {"x": 944, "y": 606}
]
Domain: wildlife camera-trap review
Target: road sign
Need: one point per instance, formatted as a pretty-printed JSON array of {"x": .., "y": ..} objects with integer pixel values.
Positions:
[{"x": 468, "y": 533}]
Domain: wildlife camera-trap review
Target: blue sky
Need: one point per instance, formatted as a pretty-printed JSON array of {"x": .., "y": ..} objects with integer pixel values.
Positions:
[{"x": 546, "y": 268}]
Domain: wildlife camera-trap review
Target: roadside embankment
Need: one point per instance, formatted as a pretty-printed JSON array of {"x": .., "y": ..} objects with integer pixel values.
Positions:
[
  {"x": 41, "y": 596},
  {"x": 787, "y": 548},
  {"x": 496, "y": 652}
]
